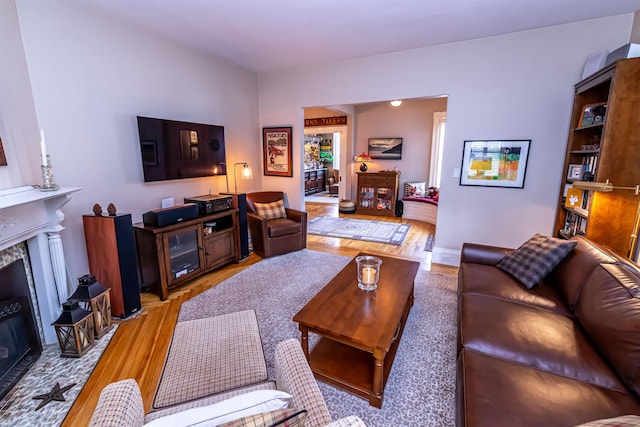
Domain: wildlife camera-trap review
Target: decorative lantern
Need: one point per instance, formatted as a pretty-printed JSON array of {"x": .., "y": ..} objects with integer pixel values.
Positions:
[
  {"x": 95, "y": 297},
  {"x": 74, "y": 329}
]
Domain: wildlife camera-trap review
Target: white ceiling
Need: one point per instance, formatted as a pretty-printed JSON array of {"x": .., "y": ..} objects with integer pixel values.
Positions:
[{"x": 266, "y": 35}]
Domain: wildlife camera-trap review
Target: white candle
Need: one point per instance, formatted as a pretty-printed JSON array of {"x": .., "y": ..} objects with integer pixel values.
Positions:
[
  {"x": 43, "y": 148},
  {"x": 368, "y": 276}
]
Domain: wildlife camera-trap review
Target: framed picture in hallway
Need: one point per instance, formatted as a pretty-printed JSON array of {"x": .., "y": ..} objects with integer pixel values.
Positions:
[
  {"x": 277, "y": 156},
  {"x": 3, "y": 158},
  {"x": 498, "y": 163},
  {"x": 385, "y": 148}
]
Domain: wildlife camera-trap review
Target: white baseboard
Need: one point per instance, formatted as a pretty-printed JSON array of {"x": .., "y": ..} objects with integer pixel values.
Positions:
[{"x": 445, "y": 257}]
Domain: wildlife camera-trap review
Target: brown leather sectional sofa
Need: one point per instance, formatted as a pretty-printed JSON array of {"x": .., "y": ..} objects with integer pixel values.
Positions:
[{"x": 563, "y": 353}]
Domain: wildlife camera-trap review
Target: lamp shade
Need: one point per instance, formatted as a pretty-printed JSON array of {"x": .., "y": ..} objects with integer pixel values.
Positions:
[{"x": 363, "y": 158}]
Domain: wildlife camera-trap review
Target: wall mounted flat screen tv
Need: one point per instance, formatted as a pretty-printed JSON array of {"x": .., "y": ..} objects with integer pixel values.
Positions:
[{"x": 176, "y": 150}]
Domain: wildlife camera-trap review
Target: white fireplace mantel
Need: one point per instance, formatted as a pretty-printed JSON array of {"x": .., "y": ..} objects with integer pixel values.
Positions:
[{"x": 33, "y": 216}]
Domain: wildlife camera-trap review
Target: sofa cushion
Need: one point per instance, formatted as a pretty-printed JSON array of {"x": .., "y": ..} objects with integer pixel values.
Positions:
[
  {"x": 572, "y": 273},
  {"x": 209, "y": 400},
  {"x": 609, "y": 310},
  {"x": 498, "y": 393},
  {"x": 283, "y": 227},
  {"x": 623, "y": 421},
  {"x": 251, "y": 403},
  {"x": 202, "y": 358},
  {"x": 290, "y": 417},
  {"x": 538, "y": 338},
  {"x": 484, "y": 279},
  {"x": 271, "y": 210},
  {"x": 535, "y": 258}
]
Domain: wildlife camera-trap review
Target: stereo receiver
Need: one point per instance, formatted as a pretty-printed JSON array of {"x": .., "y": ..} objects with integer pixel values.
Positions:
[{"x": 210, "y": 204}]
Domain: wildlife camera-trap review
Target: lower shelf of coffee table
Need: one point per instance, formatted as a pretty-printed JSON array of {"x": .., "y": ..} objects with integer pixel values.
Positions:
[{"x": 346, "y": 367}]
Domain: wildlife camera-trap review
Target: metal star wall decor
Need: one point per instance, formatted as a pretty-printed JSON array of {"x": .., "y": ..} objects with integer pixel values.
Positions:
[{"x": 54, "y": 394}]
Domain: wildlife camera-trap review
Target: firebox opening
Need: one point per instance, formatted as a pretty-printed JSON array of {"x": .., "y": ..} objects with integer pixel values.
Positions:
[{"x": 20, "y": 344}]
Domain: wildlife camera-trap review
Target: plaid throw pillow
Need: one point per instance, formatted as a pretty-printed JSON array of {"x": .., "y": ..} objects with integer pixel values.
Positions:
[
  {"x": 532, "y": 261},
  {"x": 271, "y": 210},
  {"x": 281, "y": 418}
]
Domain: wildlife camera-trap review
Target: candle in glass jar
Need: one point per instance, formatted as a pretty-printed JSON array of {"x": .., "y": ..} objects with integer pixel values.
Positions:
[{"x": 368, "y": 276}]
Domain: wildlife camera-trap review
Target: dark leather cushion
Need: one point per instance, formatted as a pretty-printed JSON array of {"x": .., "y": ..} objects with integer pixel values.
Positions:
[
  {"x": 535, "y": 258},
  {"x": 538, "y": 338},
  {"x": 609, "y": 310},
  {"x": 487, "y": 280},
  {"x": 572, "y": 273},
  {"x": 496, "y": 393},
  {"x": 283, "y": 227}
]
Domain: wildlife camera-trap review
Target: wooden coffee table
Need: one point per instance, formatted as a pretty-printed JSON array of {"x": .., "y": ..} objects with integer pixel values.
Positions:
[{"x": 360, "y": 329}]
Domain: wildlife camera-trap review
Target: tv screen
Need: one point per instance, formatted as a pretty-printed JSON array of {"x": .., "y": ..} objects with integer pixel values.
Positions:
[{"x": 172, "y": 149}]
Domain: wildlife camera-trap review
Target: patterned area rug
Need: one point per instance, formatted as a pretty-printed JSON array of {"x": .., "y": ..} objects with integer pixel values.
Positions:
[
  {"x": 421, "y": 387},
  {"x": 359, "y": 229}
]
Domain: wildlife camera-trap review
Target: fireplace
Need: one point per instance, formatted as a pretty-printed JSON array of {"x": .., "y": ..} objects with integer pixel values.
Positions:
[
  {"x": 30, "y": 251},
  {"x": 20, "y": 344}
]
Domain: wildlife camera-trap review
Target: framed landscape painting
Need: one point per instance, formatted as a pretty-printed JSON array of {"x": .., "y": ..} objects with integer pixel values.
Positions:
[
  {"x": 500, "y": 163},
  {"x": 385, "y": 148},
  {"x": 278, "y": 156}
]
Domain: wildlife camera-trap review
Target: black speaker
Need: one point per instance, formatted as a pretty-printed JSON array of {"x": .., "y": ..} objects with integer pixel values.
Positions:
[
  {"x": 239, "y": 201},
  {"x": 113, "y": 259},
  {"x": 172, "y": 215}
]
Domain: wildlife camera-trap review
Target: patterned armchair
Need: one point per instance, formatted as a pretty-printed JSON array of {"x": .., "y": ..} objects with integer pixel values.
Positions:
[{"x": 275, "y": 228}]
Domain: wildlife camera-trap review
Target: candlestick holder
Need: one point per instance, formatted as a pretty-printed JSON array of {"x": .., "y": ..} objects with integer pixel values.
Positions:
[{"x": 47, "y": 177}]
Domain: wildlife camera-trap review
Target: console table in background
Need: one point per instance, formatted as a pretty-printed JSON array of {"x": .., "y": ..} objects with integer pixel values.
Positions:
[
  {"x": 172, "y": 255},
  {"x": 377, "y": 193},
  {"x": 314, "y": 180}
]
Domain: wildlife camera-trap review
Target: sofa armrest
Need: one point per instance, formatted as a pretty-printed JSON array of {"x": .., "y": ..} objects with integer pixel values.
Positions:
[
  {"x": 301, "y": 217},
  {"x": 294, "y": 376},
  {"x": 120, "y": 404},
  {"x": 296, "y": 215},
  {"x": 483, "y": 254}
]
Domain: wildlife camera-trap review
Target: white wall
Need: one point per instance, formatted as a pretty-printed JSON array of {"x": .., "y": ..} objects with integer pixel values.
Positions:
[
  {"x": 18, "y": 123},
  {"x": 91, "y": 76},
  {"x": 412, "y": 121},
  {"x": 516, "y": 86}
]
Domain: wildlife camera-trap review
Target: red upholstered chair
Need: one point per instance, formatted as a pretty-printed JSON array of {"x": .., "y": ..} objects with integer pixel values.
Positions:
[{"x": 275, "y": 228}]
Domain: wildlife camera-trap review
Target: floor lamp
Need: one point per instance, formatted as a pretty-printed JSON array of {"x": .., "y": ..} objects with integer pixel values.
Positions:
[
  {"x": 608, "y": 187},
  {"x": 217, "y": 170},
  {"x": 246, "y": 174}
]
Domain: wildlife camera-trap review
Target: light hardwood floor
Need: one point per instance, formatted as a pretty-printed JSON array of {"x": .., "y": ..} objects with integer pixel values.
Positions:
[{"x": 138, "y": 348}]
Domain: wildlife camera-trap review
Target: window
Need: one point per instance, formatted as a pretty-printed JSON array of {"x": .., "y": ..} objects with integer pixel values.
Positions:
[
  {"x": 336, "y": 150},
  {"x": 437, "y": 148}
]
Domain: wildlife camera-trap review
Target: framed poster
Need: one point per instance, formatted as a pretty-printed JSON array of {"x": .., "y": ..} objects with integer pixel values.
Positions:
[
  {"x": 385, "y": 148},
  {"x": 499, "y": 163},
  {"x": 278, "y": 156}
]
